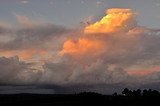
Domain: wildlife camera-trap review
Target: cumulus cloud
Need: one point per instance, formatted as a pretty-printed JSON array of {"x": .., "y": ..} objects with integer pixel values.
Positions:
[
  {"x": 111, "y": 51},
  {"x": 118, "y": 42},
  {"x": 115, "y": 20}
]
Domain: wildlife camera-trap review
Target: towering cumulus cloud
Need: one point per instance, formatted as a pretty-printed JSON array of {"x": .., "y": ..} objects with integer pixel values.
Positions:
[
  {"x": 110, "y": 51},
  {"x": 115, "y": 20},
  {"x": 108, "y": 35}
]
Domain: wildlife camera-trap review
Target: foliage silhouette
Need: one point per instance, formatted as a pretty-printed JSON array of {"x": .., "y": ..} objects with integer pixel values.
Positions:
[{"x": 127, "y": 98}]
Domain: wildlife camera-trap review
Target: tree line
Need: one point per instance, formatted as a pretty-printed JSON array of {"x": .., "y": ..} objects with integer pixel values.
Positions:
[{"x": 138, "y": 92}]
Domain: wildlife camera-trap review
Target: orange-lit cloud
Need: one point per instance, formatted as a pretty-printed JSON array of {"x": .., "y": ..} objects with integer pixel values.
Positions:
[
  {"x": 28, "y": 54},
  {"x": 81, "y": 46},
  {"x": 115, "y": 20},
  {"x": 143, "y": 72},
  {"x": 118, "y": 45},
  {"x": 24, "y": 54}
]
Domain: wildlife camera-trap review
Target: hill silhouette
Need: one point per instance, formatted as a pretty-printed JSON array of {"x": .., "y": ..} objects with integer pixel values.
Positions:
[{"x": 127, "y": 98}]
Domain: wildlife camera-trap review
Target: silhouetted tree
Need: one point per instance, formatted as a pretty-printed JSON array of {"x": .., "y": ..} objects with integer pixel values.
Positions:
[
  {"x": 136, "y": 92},
  {"x": 115, "y": 94},
  {"x": 150, "y": 92},
  {"x": 130, "y": 93},
  {"x": 155, "y": 93},
  {"x": 126, "y": 92},
  {"x": 145, "y": 92}
]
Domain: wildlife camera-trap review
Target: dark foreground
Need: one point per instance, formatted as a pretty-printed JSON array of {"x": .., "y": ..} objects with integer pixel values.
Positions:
[{"x": 81, "y": 99}]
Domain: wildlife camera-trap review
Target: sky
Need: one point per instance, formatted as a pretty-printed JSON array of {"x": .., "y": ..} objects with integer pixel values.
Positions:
[
  {"x": 68, "y": 46},
  {"x": 72, "y": 12}
]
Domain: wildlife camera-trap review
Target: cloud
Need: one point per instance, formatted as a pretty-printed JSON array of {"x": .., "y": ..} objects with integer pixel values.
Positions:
[
  {"x": 24, "y": 1},
  {"x": 99, "y": 3},
  {"x": 115, "y": 20},
  {"x": 65, "y": 72},
  {"x": 113, "y": 50},
  {"x": 16, "y": 72},
  {"x": 81, "y": 47},
  {"x": 24, "y": 21},
  {"x": 119, "y": 43},
  {"x": 31, "y": 38},
  {"x": 87, "y": 20}
]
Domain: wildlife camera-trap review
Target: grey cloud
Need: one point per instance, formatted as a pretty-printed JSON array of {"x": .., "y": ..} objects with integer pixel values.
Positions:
[
  {"x": 127, "y": 50},
  {"x": 32, "y": 37},
  {"x": 58, "y": 73},
  {"x": 71, "y": 73},
  {"x": 15, "y": 72},
  {"x": 25, "y": 89}
]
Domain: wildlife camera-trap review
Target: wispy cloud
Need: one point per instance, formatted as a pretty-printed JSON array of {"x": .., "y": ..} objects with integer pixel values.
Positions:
[
  {"x": 99, "y": 3},
  {"x": 24, "y": 1}
]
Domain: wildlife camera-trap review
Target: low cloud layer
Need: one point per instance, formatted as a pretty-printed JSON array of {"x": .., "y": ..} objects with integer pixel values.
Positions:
[
  {"x": 30, "y": 38},
  {"x": 114, "y": 50},
  {"x": 16, "y": 72}
]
